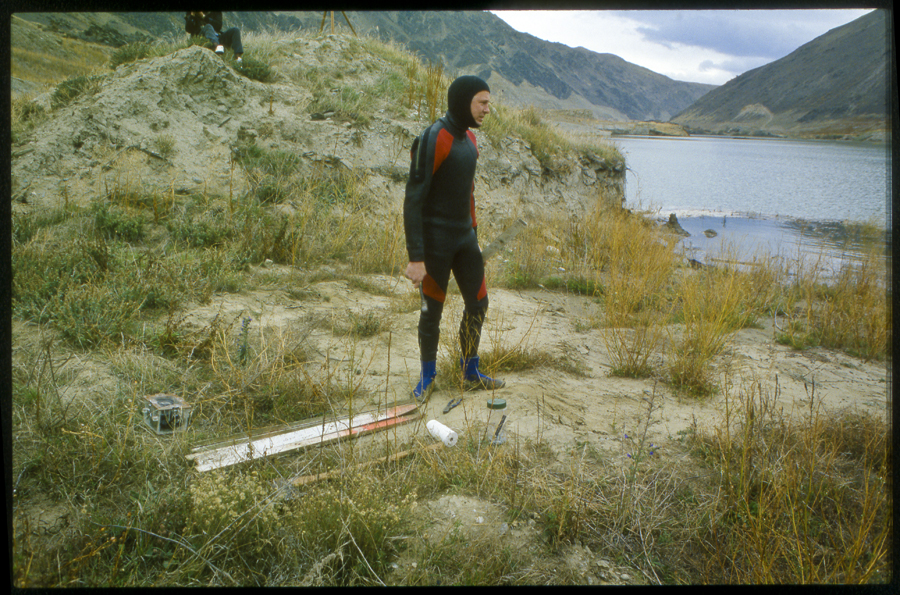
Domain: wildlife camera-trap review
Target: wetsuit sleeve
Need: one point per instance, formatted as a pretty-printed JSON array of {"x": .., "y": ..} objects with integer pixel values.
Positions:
[
  {"x": 471, "y": 136},
  {"x": 421, "y": 170}
]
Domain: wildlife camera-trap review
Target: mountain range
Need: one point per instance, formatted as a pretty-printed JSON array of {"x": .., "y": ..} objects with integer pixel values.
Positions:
[{"x": 835, "y": 85}]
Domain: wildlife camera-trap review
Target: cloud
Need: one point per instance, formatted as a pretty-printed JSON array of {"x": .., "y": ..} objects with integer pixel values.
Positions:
[
  {"x": 709, "y": 46},
  {"x": 770, "y": 34}
]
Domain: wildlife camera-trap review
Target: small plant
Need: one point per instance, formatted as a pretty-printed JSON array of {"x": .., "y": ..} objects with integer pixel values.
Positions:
[
  {"x": 819, "y": 519},
  {"x": 164, "y": 144},
  {"x": 412, "y": 82},
  {"x": 71, "y": 89},
  {"x": 272, "y": 173},
  {"x": 847, "y": 312},
  {"x": 25, "y": 116},
  {"x": 205, "y": 232},
  {"x": 92, "y": 315},
  {"x": 254, "y": 69},
  {"x": 26, "y": 226},
  {"x": 346, "y": 103},
  {"x": 131, "y": 52},
  {"x": 115, "y": 223},
  {"x": 712, "y": 307},
  {"x": 243, "y": 342},
  {"x": 638, "y": 267},
  {"x": 435, "y": 90}
]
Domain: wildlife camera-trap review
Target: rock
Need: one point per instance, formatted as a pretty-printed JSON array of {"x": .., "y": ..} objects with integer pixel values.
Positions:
[
  {"x": 710, "y": 233},
  {"x": 675, "y": 227}
]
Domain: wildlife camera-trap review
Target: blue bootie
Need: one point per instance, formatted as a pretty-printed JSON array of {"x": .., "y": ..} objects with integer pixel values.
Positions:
[
  {"x": 475, "y": 380},
  {"x": 426, "y": 382}
]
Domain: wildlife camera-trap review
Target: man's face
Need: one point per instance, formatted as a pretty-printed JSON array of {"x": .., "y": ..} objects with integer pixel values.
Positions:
[{"x": 481, "y": 106}]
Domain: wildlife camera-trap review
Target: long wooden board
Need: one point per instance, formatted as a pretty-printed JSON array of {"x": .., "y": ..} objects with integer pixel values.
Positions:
[{"x": 242, "y": 450}]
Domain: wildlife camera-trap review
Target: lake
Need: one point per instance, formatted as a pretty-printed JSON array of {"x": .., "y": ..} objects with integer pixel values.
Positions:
[{"x": 786, "y": 197}]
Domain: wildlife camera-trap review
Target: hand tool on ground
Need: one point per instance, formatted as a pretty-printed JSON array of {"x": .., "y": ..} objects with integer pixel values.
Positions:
[
  {"x": 453, "y": 403},
  {"x": 499, "y": 427}
]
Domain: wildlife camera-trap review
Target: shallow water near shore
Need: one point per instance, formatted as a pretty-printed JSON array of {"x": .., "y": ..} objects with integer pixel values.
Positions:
[
  {"x": 763, "y": 197},
  {"x": 831, "y": 244}
]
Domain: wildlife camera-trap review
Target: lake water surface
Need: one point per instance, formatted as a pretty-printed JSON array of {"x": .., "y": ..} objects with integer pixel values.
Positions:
[{"x": 781, "y": 196}]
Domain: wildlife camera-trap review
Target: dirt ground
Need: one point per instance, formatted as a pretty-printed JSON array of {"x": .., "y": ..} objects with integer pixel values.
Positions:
[{"x": 561, "y": 409}]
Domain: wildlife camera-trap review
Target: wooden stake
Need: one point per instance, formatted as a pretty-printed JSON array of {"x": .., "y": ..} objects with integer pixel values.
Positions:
[{"x": 299, "y": 481}]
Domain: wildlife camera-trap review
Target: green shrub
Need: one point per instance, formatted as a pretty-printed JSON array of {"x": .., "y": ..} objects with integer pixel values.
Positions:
[
  {"x": 131, "y": 52},
  {"x": 92, "y": 315},
  {"x": 71, "y": 89},
  {"x": 254, "y": 69},
  {"x": 164, "y": 145},
  {"x": 115, "y": 223}
]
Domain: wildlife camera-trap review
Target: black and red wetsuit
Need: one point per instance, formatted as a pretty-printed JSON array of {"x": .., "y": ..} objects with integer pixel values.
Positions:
[{"x": 440, "y": 225}]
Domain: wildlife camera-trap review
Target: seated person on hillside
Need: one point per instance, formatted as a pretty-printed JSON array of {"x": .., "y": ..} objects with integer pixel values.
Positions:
[{"x": 209, "y": 25}]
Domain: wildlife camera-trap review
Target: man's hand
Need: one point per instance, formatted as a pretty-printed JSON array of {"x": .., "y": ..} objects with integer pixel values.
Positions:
[{"x": 415, "y": 272}]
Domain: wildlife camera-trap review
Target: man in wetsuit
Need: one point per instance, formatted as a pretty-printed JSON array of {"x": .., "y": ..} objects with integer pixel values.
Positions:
[{"x": 440, "y": 225}]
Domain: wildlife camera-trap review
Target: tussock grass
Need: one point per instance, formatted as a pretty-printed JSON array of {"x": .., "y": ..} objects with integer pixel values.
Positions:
[
  {"x": 847, "y": 309},
  {"x": 639, "y": 267},
  {"x": 25, "y": 116},
  {"x": 711, "y": 306},
  {"x": 73, "y": 88},
  {"x": 546, "y": 144},
  {"x": 802, "y": 492},
  {"x": 768, "y": 516}
]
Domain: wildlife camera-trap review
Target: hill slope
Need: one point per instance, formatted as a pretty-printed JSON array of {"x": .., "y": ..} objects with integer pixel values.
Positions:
[
  {"x": 833, "y": 85},
  {"x": 530, "y": 70},
  {"x": 525, "y": 69},
  {"x": 173, "y": 124}
]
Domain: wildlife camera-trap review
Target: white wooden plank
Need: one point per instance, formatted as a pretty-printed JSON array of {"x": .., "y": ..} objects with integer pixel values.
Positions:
[{"x": 247, "y": 450}]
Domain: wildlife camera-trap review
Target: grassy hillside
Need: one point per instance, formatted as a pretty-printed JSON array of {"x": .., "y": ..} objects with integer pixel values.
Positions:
[{"x": 41, "y": 58}]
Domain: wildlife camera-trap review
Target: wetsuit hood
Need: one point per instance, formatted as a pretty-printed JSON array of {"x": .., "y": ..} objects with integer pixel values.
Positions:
[{"x": 459, "y": 99}]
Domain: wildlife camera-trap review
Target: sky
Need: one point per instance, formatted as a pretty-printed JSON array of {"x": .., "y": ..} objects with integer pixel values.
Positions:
[{"x": 699, "y": 46}]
